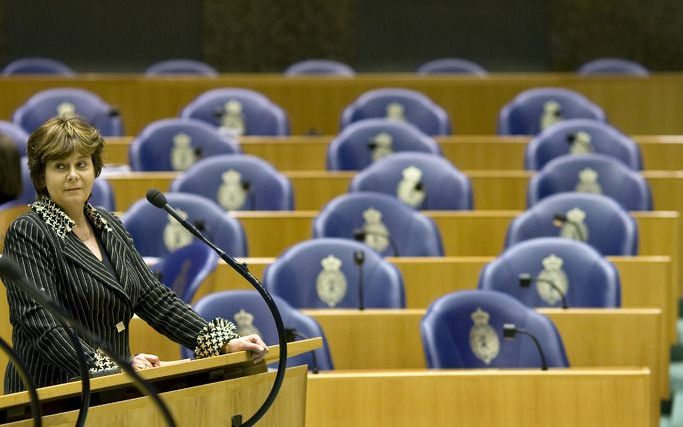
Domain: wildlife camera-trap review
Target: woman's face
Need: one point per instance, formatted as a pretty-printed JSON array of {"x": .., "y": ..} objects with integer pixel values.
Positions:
[{"x": 69, "y": 181}]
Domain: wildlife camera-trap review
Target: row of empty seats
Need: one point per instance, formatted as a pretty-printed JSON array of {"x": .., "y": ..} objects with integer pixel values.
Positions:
[{"x": 39, "y": 65}]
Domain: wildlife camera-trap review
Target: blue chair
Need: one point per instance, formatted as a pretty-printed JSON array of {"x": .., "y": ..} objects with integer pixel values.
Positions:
[
  {"x": 533, "y": 110},
  {"x": 401, "y": 105},
  {"x": 581, "y": 136},
  {"x": 420, "y": 180},
  {"x": 326, "y": 273},
  {"x": 103, "y": 194},
  {"x": 465, "y": 330},
  {"x": 238, "y": 112},
  {"x": 237, "y": 182},
  {"x": 319, "y": 67},
  {"x": 156, "y": 234},
  {"x": 613, "y": 66},
  {"x": 591, "y": 173},
  {"x": 452, "y": 66},
  {"x": 382, "y": 222},
  {"x": 37, "y": 65},
  {"x": 251, "y": 315},
  {"x": 181, "y": 66},
  {"x": 592, "y": 218},
  {"x": 365, "y": 141},
  {"x": 50, "y": 103},
  {"x": 184, "y": 269},
  {"x": 580, "y": 272},
  {"x": 16, "y": 134},
  {"x": 177, "y": 144}
]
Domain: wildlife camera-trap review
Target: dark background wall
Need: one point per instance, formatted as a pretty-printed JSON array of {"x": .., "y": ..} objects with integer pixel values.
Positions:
[{"x": 371, "y": 35}]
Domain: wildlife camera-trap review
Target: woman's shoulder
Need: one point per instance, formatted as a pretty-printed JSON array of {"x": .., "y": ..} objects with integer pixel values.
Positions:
[{"x": 30, "y": 226}]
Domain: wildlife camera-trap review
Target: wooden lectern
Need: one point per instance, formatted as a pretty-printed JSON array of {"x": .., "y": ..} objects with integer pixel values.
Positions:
[{"x": 205, "y": 392}]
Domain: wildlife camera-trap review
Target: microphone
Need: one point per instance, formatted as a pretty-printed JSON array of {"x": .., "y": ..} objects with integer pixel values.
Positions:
[
  {"x": 156, "y": 198},
  {"x": 525, "y": 280},
  {"x": 11, "y": 271},
  {"x": 560, "y": 219},
  {"x": 218, "y": 112},
  {"x": 510, "y": 331},
  {"x": 292, "y": 335},
  {"x": 359, "y": 259},
  {"x": 360, "y": 233},
  {"x": 372, "y": 145}
]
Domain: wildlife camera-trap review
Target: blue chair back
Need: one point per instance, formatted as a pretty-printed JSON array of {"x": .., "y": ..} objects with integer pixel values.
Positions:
[
  {"x": 388, "y": 225},
  {"x": 452, "y": 66},
  {"x": 238, "y": 112},
  {"x": 16, "y": 134},
  {"x": 237, "y": 182},
  {"x": 464, "y": 330},
  {"x": 420, "y": 180},
  {"x": 184, "y": 269},
  {"x": 251, "y": 315},
  {"x": 581, "y": 136},
  {"x": 319, "y": 67},
  {"x": 181, "y": 66},
  {"x": 103, "y": 195},
  {"x": 177, "y": 144},
  {"x": 37, "y": 65},
  {"x": 592, "y": 218},
  {"x": 53, "y": 102},
  {"x": 366, "y": 141},
  {"x": 156, "y": 234},
  {"x": 586, "y": 278},
  {"x": 591, "y": 173},
  {"x": 613, "y": 66},
  {"x": 324, "y": 273},
  {"x": 533, "y": 110},
  {"x": 402, "y": 105}
]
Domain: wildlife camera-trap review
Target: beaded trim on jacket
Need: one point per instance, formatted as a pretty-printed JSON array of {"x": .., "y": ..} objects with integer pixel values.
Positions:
[{"x": 60, "y": 222}]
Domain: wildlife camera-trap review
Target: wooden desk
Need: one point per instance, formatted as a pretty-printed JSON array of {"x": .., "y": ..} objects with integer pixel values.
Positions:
[
  {"x": 481, "y": 398},
  {"x": 592, "y": 338},
  {"x": 636, "y": 106},
  {"x": 645, "y": 282},
  {"x": 466, "y": 152}
]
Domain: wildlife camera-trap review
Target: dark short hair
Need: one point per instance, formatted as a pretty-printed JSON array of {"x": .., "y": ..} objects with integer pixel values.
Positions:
[
  {"x": 10, "y": 168},
  {"x": 58, "y": 138}
]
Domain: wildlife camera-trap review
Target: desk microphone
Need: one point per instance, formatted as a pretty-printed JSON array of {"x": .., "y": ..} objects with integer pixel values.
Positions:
[
  {"x": 510, "y": 331},
  {"x": 158, "y": 199},
  {"x": 293, "y": 335},
  {"x": 525, "y": 280},
  {"x": 359, "y": 259},
  {"x": 360, "y": 233},
  {"x": 11, "y": 271},
  {"x": 560, "y": 219}
]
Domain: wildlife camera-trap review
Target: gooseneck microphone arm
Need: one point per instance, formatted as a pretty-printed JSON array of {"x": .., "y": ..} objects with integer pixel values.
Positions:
[
  {"x": 510, "y": 330},
  {"x": 562, "y": 219},
  {"x": 525, "y": 280},
  {"x": 36, "y": 413},
  {"x": 360, "y": 233},
  {"x": 12, "y": 272},
  {"x": 157, "y": 198},
  {"x": 85, "y": 375},
  {"x": 359, "y": 259}
]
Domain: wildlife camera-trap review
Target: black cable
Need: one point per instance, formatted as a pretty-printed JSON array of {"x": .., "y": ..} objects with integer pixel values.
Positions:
[{"x": 85, "y": 376}]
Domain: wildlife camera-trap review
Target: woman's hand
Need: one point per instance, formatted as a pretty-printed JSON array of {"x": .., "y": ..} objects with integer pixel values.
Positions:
[
  {"x": 251, "y": 343},
  {"x": 144, "y": 361}
]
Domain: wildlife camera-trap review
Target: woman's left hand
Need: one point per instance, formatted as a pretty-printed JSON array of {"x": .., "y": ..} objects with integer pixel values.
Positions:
[{"x": 251, "y": 343}]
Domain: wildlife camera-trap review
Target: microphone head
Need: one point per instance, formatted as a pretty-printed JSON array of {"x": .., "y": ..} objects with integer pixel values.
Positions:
[
  {"x": 9, "y": 269},
  {"x": 358, "y": 257},
  {"x": 559, "y": 219},
  {"x": 571, "y": 138},
  {"x": 359, "y": 234},
  {"x": 156, "y": 198},
  {"x": 509, "y": 330},
  {"x": 218, "y": 112},
  {"x": 246, "y": 186},
  {"x": 372, "y": 145},
  {"x": 524, "y": 280}
]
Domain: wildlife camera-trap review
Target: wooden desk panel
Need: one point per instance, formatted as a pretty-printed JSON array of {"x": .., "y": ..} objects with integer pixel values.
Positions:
[
  {"x": 636, "y": 106},
  {"x": 481, "y": 398},
  {"x": 466, "y": 152}
]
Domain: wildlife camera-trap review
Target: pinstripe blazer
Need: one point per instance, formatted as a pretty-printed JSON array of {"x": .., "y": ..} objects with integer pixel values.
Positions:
[{"x": 57, "y": 263}]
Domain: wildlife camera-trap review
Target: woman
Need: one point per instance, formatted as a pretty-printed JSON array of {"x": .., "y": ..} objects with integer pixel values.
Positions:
[{"x": 82, "y": 257}]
